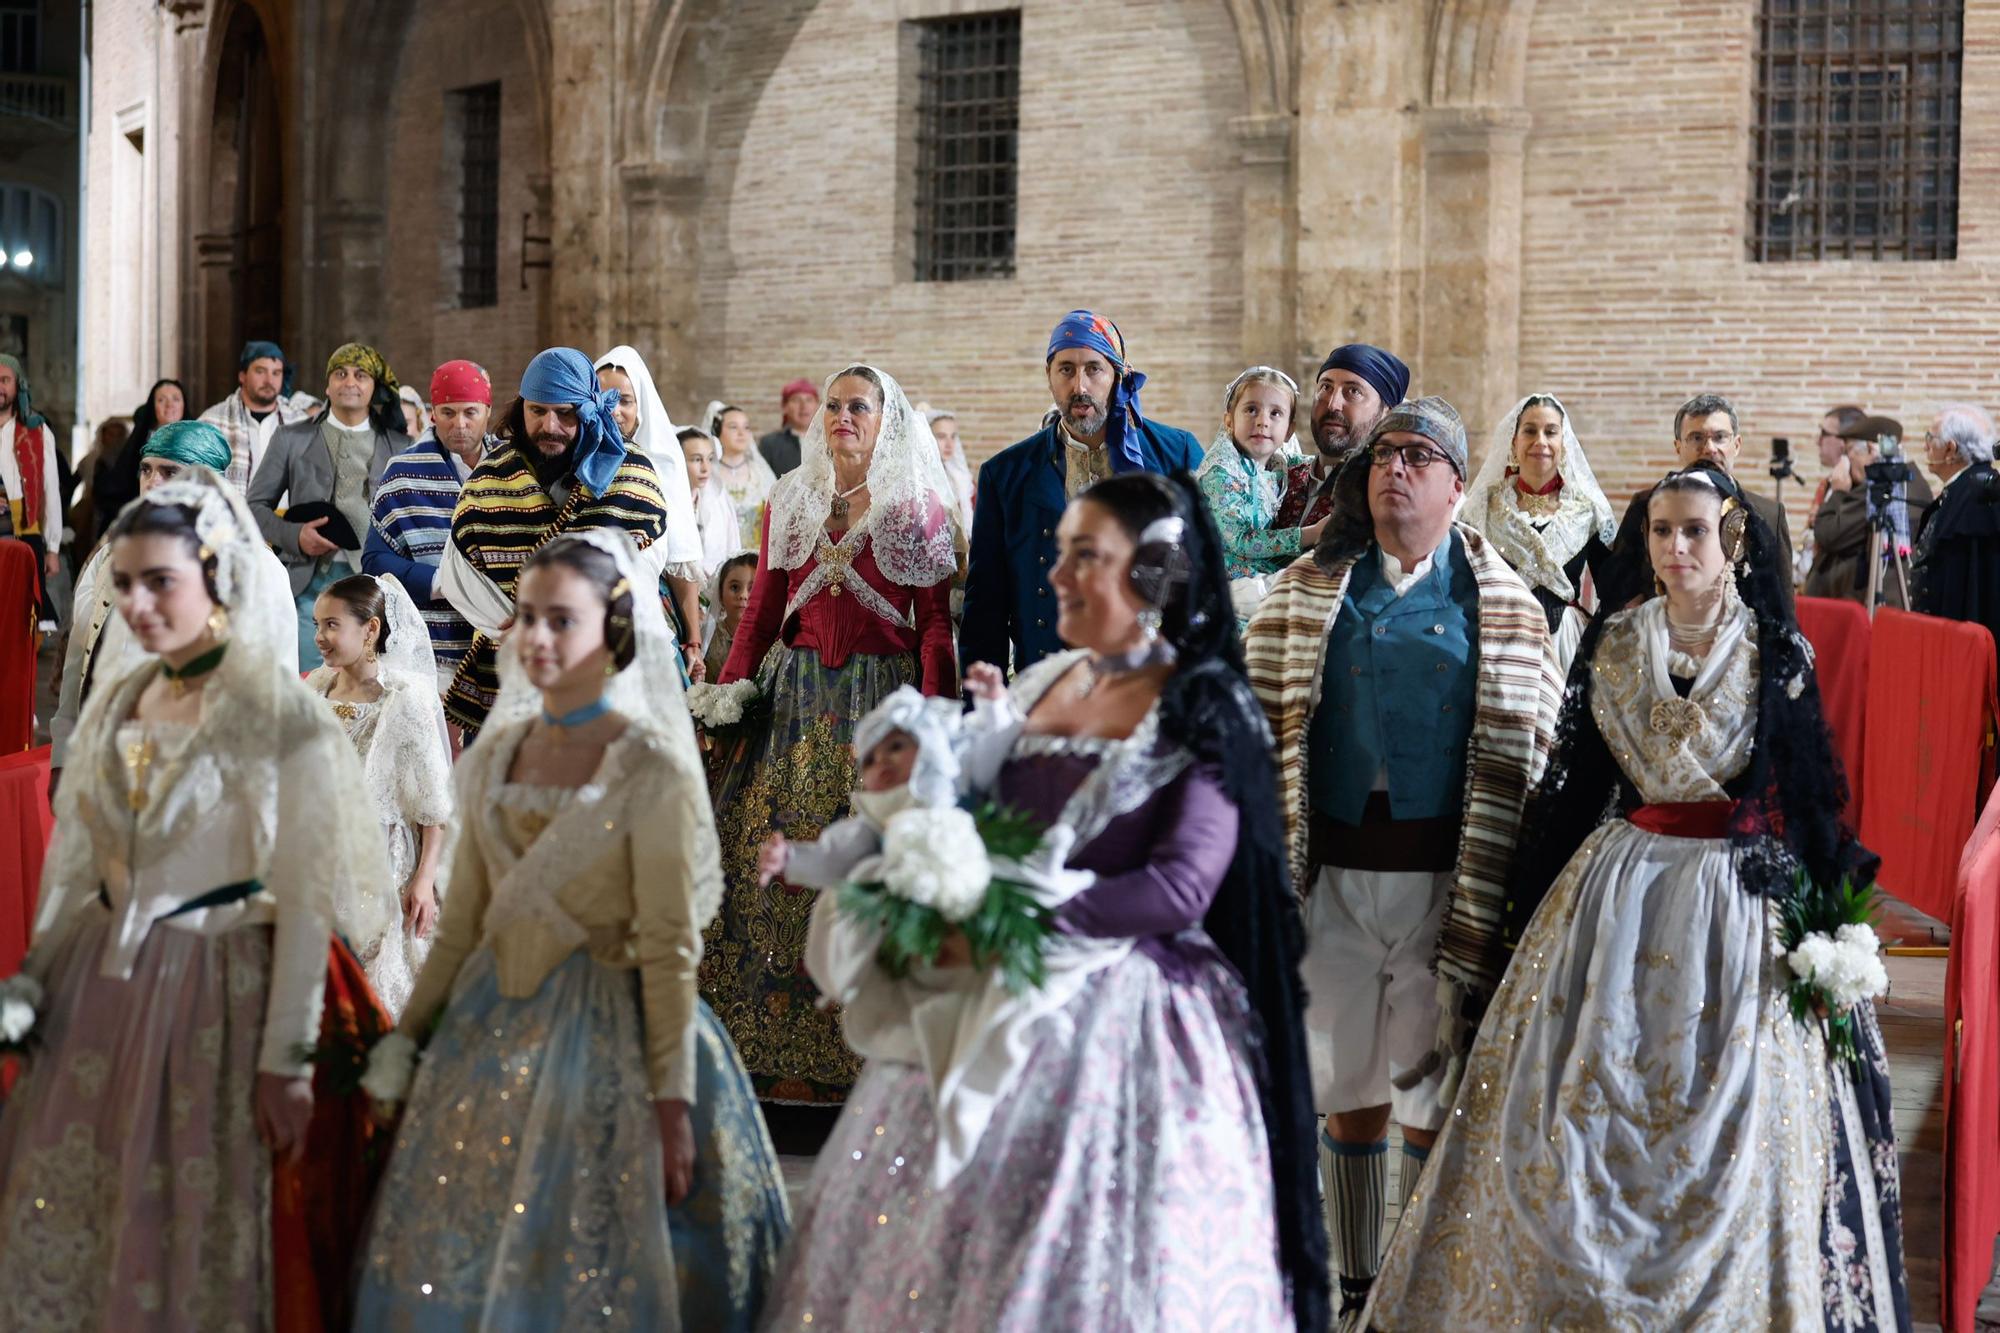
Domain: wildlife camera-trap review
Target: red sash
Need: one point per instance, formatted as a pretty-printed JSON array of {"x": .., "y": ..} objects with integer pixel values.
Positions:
[
  {"x": 34, "y": 484},
  {"x": 1685, "y": 819},
  {"x": 319, "y": 1207}
]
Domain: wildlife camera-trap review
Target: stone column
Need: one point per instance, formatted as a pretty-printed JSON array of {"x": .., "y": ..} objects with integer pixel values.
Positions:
[
  {"x": 583, "y": 200},
  {"x": 1270, "y": 252},
  {"x": 1359, "y": 176},
  {"x": 659, "y": 290},
  {"x": 1472, "y": 259}
]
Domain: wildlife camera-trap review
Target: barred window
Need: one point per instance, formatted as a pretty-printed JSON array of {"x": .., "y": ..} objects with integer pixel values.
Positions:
[
  {"x": 968, "y": 115},
  {"x": 475, "y": 116},
  {"x": 1854, "y": 151},
  {"x": 20, "y": 36}
]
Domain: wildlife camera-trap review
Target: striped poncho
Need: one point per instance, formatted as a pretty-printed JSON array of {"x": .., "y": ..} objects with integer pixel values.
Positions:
[
  {"x": 412, "y": 511},
  {"x": 1518, "y": 690},
  {"x": 505, "y": 515}
]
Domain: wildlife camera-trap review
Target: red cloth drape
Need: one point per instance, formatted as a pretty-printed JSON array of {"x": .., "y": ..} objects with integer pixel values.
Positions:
[
  {"x": 1927, "y": 752},
  {"x": 1839, "y": 633},
  {"x": 19, "y": 614},
  {"x": 319, "y": 1207},
  {"x": 1972, "y": 1084},
  {"x": 25, "y": 823}
]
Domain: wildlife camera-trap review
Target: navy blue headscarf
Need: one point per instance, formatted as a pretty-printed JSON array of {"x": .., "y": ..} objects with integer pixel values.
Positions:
[
  {"x": 1384, "y": 371},
  {"x": 256, "y": 350}
]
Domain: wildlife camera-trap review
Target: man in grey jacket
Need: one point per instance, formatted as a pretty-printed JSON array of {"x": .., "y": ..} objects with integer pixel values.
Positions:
[{"x": 334, "y": 459}]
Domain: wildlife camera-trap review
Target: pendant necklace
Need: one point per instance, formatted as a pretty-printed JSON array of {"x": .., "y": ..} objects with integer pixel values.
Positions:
[{"x": 840, "y": 498}]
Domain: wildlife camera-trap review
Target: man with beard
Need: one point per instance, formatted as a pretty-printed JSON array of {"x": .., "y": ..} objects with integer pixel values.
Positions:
[
  {"x": 561, "y": 466},
  {"x": 1357, "y": 384},
  {"x": 414, "y": 504},
  {"x": 30, "y": 479},
  {"x": 251, "y": 416},
  {"x": 326, "y": 469},
  {"x": 1096, "y": 431}
]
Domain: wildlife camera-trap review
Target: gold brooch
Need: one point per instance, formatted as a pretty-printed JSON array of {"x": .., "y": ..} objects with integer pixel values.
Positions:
[
  {"x": 1539, "y": 506},
  {"x": 346, "y": 712},
  {"x": 1681, "y": 719}
]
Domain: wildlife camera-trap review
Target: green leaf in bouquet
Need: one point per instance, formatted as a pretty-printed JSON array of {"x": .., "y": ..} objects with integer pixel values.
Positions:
[
  {"x": 1008, "y": 932},
  {"x": 1007, "y": 832},
  {"x": 911, "y": 934}
]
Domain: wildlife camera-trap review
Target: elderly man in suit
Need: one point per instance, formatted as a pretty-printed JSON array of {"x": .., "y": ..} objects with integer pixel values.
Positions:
[
  {"x": 329, "y": 466},
  {"x": 1095, "y": 431}
]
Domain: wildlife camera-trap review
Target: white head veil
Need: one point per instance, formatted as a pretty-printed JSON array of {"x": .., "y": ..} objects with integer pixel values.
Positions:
[
  {"x": 955, "y": 468},
  {"x": 253, "y": 588},
  {"x": 1578, "y": 480},
  {"x": 657, "y": 438},
  {"x": 910, "y": 520},
  {"x": 649, "y": 689},
  {"x": 934, "y": 724}
]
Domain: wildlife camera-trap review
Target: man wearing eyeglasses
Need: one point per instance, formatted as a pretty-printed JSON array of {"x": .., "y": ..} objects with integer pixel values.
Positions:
[
  {"x": 1405, "y": 670},
  {"x": 1704, "y": 428}
]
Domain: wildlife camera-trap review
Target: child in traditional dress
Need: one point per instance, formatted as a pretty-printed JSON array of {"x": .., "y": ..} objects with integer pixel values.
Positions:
[{"x": 728, "y": 596}]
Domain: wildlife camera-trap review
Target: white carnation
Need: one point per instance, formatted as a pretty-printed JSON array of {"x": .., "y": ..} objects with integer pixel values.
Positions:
[
  {"x": 1846, "y": 967},
  {"x": 936, "y": 858},
  {"x": 392, "y": 1063},
  {"x": 720, "y": 705},
  {"x": 20, "y": 997}
]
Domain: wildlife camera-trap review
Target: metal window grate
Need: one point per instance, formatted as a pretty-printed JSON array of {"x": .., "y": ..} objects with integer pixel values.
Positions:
[
  {"x": 20, "y": 36},
  {"x": 1854, "y": 150},
  {"x": 968, "y": 117},
  {"x": 476, "y": 112}
]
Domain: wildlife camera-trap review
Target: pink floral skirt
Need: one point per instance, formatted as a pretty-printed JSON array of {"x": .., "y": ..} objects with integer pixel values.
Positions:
[{"x": 134, "y": 1192}]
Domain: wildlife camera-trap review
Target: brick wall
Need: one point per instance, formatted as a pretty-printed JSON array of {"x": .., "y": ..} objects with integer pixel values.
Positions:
[
  {"x": 1636, "y": 292},
  {"x": 456, "y": 44},
  {"x": 1130, "y": 203}
]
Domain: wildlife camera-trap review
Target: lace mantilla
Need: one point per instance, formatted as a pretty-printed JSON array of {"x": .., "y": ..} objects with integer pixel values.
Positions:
[
  {"x": 1129, "y": 770},
  {"x": 910, "y": 494},
  {"x": 1584, "y": 512}
]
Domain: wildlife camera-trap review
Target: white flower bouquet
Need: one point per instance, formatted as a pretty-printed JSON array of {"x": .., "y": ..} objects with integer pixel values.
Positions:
[
  {"x": 1834, "y": 957},
  {"x": 20, "y": 1003},
  {"x": 722, "y": 708},
  {"x": 936, "y": 875}
]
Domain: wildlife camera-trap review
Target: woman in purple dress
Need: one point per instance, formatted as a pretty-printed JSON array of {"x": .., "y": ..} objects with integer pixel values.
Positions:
[{"x": 1145, "y": 1157}]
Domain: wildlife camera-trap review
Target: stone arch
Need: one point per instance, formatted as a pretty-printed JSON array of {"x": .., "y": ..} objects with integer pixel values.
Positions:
[{"x": 1479, "y": 52}]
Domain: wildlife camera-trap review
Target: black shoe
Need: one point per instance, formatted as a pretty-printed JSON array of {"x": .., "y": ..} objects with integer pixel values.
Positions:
[{"x": 1353, "y": 1297}]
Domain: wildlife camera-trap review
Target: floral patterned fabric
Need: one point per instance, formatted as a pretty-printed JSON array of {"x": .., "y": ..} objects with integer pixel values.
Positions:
[
  {"x": 791, "y": 772},
  {"x": 133, "y": 1193},
  {"x": 1245, "y": 498},
  {"x": 1123, "y": 1184}
]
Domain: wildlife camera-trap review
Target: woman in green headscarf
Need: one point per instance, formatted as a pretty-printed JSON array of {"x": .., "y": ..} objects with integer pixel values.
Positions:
[{"x": 99, "y": 644}]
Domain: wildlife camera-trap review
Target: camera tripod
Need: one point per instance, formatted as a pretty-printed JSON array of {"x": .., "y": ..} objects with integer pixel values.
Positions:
[{"x": 1882, "y": 549}]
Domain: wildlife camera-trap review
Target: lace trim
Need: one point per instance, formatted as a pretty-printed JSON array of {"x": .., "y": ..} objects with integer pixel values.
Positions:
[
  {"x": 1129, "y": 771},
  {"x": 836, "y": 568}
]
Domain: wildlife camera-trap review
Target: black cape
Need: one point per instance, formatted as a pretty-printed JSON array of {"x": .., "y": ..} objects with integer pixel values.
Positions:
[{"x": 1956, "y": 571}]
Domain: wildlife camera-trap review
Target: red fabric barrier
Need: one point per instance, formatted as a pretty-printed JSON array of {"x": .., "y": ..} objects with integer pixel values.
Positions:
[
  {"x": 1838, "y": 630},
  {"x": 24, "y": 838},
  {"x": 1928, "y": 750},
  {"x": 1972, "y": 1084},
  {"x": 18, "y": 637}
]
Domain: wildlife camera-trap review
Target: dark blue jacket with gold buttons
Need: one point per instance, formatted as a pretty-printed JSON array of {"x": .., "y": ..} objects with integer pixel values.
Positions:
[{"x": 1007, "y": 598}]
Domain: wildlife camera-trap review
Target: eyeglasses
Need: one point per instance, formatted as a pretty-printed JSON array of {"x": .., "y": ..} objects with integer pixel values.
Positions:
[
  {"x": 1698, "y": 440},
  {"x": 1933, "y": 439},
  {"x": 1414, "y": 456}
]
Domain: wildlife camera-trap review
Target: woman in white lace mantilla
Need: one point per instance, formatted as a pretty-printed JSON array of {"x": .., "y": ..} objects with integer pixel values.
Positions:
[
  {"x": 1644, "y": 1135},
  {"x": 622, "y": 1175},
  {"x": 1539, "y": 503},
  {"x": 378, "y": 683},
  {"x": 181, "y": 949},
  {"x": 854, "y": 582}
]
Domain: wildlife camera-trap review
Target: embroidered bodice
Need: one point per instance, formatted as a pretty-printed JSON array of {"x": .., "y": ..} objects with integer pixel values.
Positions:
[{"x": 1674, "y": 748}]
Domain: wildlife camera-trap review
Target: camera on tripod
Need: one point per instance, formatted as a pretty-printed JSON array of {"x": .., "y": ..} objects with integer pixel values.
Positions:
[{"x": 1887, "y": 472}]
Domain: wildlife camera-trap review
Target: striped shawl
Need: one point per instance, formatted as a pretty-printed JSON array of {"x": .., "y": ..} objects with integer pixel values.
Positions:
[
  {"x": 504, "y": 516},
  {"x": 1518, "y": 690}
]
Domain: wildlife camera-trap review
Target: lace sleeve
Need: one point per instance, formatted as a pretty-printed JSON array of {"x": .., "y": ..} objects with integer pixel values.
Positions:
[{"x": 411, "y": 759}]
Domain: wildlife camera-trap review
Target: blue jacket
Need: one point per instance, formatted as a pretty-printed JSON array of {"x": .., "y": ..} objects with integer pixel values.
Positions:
[{"x": 1007, "y": 597}]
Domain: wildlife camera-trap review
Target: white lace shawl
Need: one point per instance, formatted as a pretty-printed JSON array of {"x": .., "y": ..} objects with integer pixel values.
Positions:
[
  {"x": 910, "y": 522},
  {"x": 659, "y": 439},
  {"x": 1539, "y": 554},
  {"x": 405, "y": 755}
]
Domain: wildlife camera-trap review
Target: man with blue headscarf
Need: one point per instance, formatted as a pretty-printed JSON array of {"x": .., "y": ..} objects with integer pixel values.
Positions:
[
  {"x": 1095, "y": 431},
  {"x": 250, "y": 417},
  {"x": 561, "y": 466}
]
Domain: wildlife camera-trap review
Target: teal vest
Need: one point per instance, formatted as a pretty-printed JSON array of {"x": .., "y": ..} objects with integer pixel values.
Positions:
[{"x": 1397, "y": 692}]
